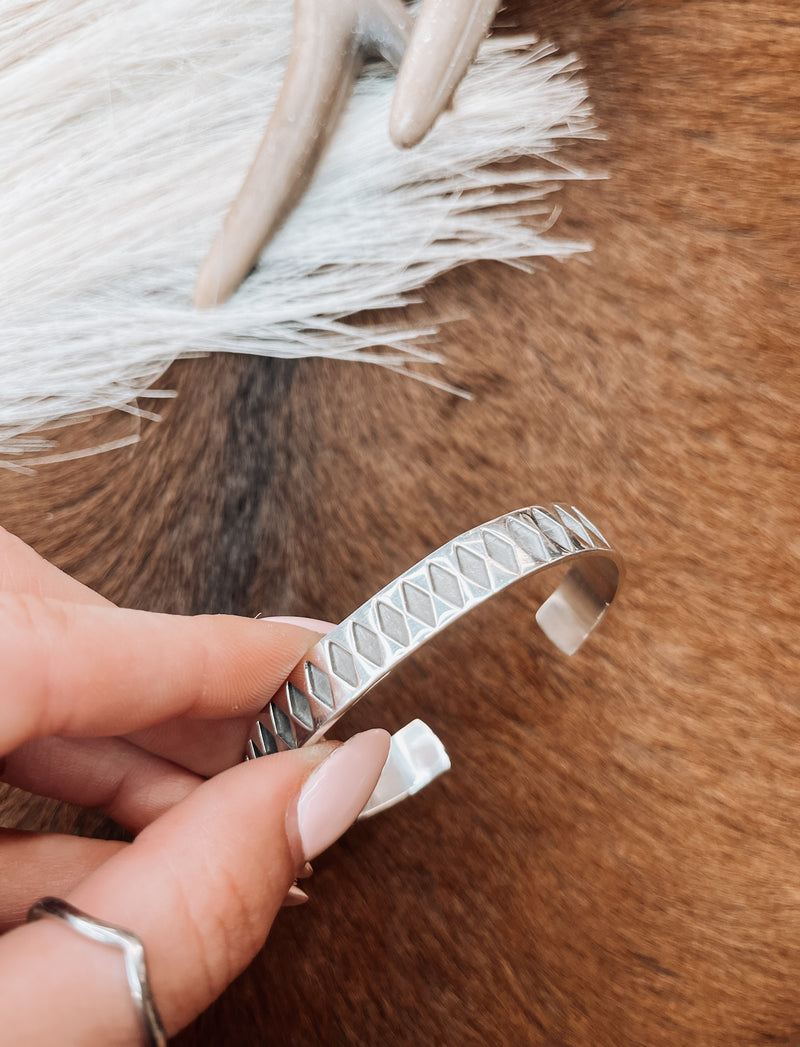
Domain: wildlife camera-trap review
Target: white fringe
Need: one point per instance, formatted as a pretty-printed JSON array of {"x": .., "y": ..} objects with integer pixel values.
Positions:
[{"x": 125, "y": 130}]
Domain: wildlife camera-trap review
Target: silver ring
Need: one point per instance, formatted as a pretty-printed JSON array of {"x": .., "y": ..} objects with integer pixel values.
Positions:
[
  {"x": 361, "y": 650},
  {"x": 132, "y": 948}
]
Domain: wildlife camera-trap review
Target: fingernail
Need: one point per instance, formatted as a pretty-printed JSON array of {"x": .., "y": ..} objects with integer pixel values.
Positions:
[
  {"x": 335, "y": 793},
  {"x": 306, "y": 871},
  {"x": 315, "y": 624},
  {"x": 294, "y": 896}
]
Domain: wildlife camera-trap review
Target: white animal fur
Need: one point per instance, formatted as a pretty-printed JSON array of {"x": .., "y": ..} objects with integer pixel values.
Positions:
[{"x": 125, "y": 130}]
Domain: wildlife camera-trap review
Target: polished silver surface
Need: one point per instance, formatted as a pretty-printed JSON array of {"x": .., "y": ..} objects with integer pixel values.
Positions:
[
  {"x": 133, "y": 952},
  {"x": 416, "y": 757},
  {"x": 477, "y": 565}
]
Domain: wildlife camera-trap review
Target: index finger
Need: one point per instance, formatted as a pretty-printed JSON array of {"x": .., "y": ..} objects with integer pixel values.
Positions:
[{"x": 84, "y": 670}]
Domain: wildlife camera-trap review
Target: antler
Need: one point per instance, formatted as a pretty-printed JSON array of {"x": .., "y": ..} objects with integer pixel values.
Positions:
[
  {"x": 329, "y": 42},
  {"x": 445, "y": 40}
]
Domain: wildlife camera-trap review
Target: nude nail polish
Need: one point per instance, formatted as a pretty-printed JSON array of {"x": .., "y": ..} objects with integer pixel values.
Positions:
[
  {"x": 314, "y": 624},
  {"x": 294, "y": 896},
  {"x": 335, "y": 793}
]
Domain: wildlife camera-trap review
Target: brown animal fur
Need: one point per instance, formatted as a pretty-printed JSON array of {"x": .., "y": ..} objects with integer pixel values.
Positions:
[{"x": 614, "y": 859}]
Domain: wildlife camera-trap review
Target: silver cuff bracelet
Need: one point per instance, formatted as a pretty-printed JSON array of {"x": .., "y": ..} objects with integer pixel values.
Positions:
[{"x": 361, "y": 650}]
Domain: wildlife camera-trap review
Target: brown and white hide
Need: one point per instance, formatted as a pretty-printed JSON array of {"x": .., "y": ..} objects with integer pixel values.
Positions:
[{"x": 614, "y": 859}]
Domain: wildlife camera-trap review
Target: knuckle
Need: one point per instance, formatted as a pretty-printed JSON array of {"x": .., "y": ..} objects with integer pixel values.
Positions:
[
  {"x": 216, "y": 923},
  {"x": 19, "y": 615},
  {"x": 232, "y": 933}
]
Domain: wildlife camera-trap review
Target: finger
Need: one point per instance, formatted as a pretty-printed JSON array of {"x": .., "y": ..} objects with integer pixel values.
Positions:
[
  {"x": 73, "y": 669},
  {"x": 210, "y": 746},
  {"x": 132, "y": 786},
  {"x": 200, "y": 886},
  {"x": 22, "y": 570},
  {"x": 204, "y": 747},
  {"x": 444, "y": 42},
  {"x": 36, "y": 864}
]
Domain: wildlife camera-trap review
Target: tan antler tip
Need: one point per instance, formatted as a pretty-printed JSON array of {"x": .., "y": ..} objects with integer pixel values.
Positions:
[
  {"x": 213, "y": 288},
  {"x": 444, "y": 41},
  {"x": 408, "y": 125}
]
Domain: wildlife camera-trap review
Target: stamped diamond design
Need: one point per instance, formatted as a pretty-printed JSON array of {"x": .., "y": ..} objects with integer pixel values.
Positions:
[
  {"x": 591, "y": 527},
  {"x": 574, "y": 525},
  {"x": 423, "y": 600},
  {"x": 500, "y": 551},
  {"x": 418, "y": 604},
  {"x": 472, "y": 567},
  {"x": 318, "y": 684},
  {"x": 445, "y": 585},
  {"x": 268, "y": 743},
  {"x": 283, "y": 726},
  {"x": 393, "y": 624},
  {"x": 299, "y": 707},
  {"x": 367, "y": 644},
  {"x": 528, "y": 539},
  {"x": 342, "y": 664},
  {"x": 552, "y": 529}
]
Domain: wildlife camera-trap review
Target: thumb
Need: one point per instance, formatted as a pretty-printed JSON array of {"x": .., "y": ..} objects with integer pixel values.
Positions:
[{"x": 200, "y": 886}]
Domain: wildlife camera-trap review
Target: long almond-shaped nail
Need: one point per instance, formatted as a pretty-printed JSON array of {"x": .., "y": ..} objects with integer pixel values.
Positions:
[
  {"x": 335, "y": 793},
  {"x": 316, "y": 624},
  {"x": 294, "y": 896}
]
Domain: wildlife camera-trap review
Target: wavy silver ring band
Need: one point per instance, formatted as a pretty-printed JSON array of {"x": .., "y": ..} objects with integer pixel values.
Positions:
[
  {"x": 133, "y": 952},
  {"x": 362, "y": 649}
]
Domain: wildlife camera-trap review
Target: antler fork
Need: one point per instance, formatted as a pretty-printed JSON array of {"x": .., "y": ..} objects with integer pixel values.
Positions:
[{"x": 330, "y": 41}]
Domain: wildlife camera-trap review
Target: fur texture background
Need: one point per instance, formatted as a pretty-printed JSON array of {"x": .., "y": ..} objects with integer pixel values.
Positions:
[
  {"x": 613, "y": 860},
  {"x": 126, "y": 131}
]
